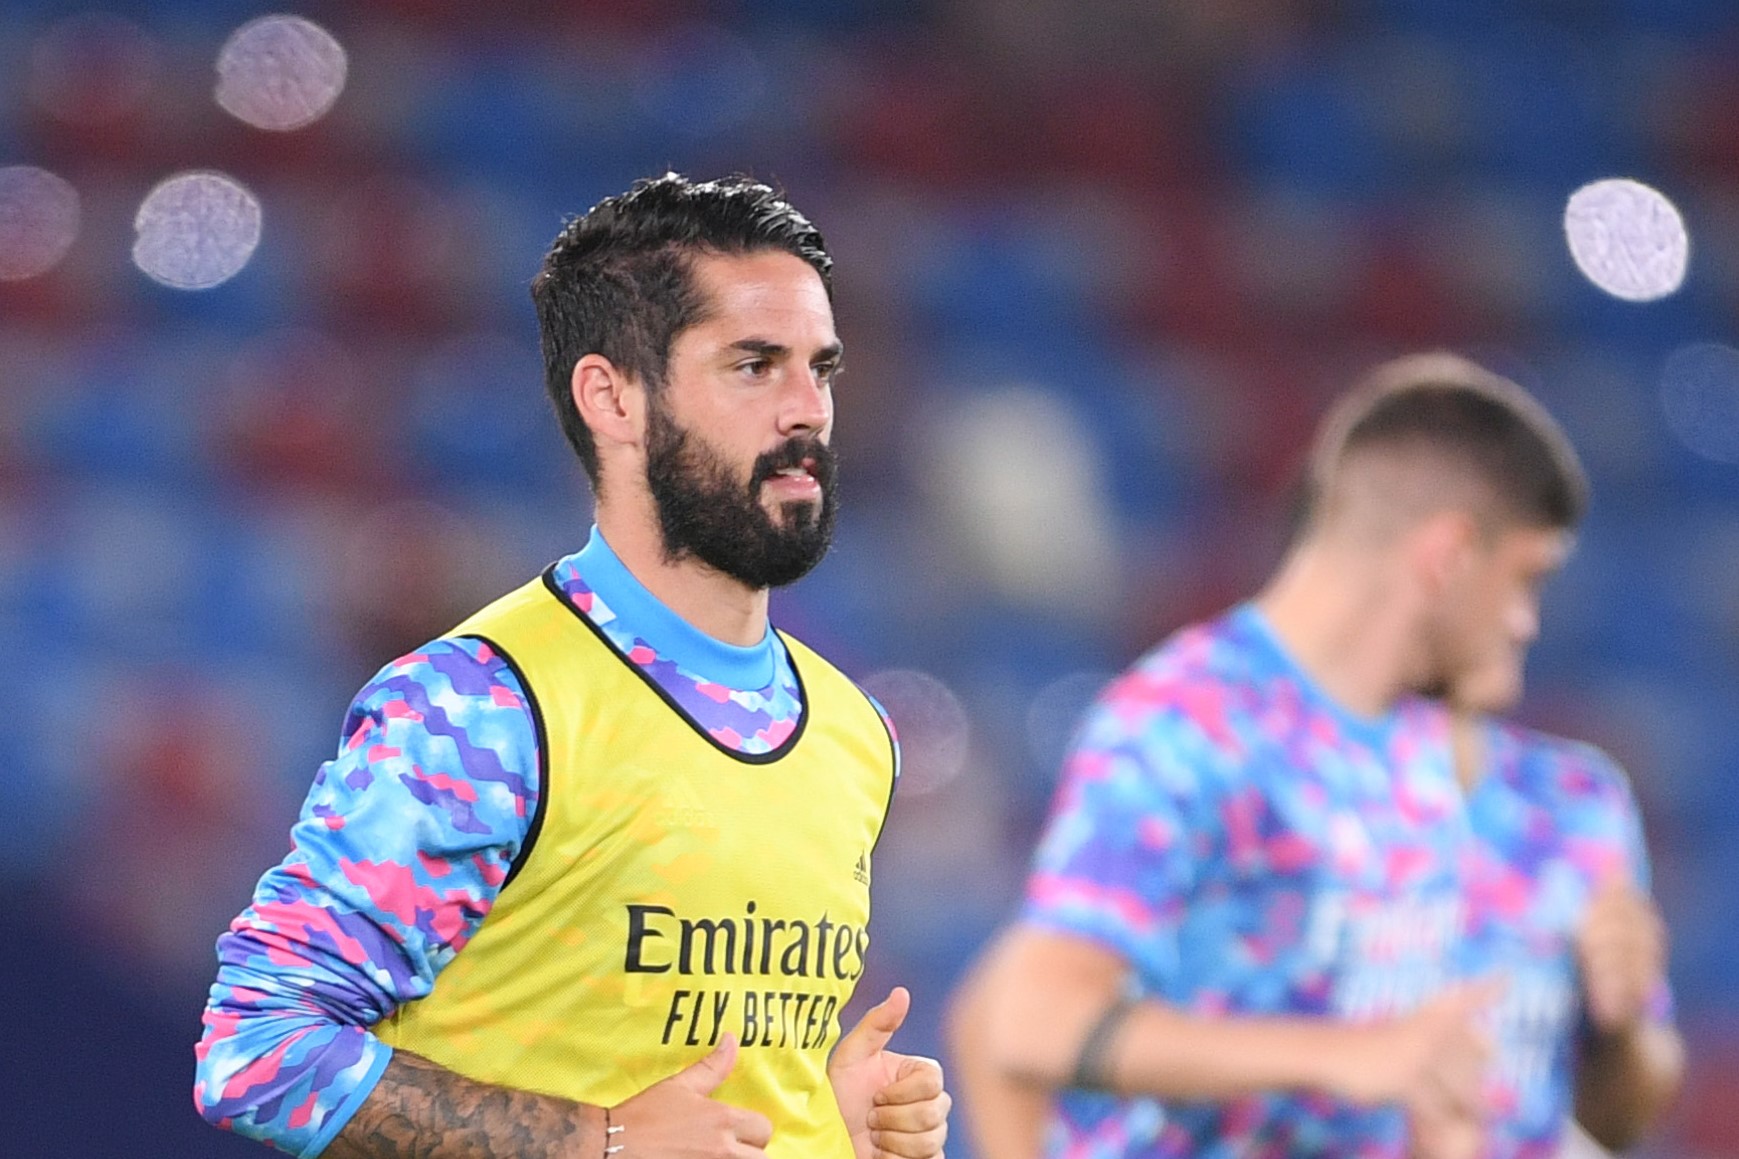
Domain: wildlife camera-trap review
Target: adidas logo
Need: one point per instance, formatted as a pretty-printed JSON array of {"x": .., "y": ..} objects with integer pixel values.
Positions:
[{"x": 861, "y": 871}]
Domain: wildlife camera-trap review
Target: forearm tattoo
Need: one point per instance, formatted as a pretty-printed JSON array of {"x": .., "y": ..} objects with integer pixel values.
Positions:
[{"x": 420, "y": 1110}]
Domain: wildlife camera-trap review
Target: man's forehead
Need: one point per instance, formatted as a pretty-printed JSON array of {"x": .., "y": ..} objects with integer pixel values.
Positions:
[{"x": 765, "y": 280}]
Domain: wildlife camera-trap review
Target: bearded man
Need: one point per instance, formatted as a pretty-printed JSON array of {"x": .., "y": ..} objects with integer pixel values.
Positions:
[{"x": 590, "y": 873}]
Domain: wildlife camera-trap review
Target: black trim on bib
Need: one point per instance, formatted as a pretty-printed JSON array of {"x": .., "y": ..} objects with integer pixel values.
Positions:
[
  {"x": 765, "y": 758},
  {"x": 536, "y": 826},
  {"x": 893, "y": 762}
]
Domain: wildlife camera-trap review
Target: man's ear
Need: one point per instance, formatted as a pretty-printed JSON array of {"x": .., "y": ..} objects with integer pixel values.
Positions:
[
  {"x": 1443, "y": 547},
  {"x": 610, "y": 401}
]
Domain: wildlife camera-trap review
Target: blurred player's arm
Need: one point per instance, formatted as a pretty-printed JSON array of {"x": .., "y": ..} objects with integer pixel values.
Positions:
[
  {"x": 1005, "y": 1115},
  {"x": 1630, "y": 1059},
  {"x": 1048, "y": 997},
  {"x": 1107, "y": 900},
  {"x": 1626, "y": 1081}
]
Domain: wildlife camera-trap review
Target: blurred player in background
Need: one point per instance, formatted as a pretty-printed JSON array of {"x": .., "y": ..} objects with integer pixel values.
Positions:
[
  {"x": 1558, "y": 909},
  {"x": 1244, "y": 918},
  {"x": 1557, "y": 904},
  {"x": 533, "y": 907},
  {"x": 1555, "y": 909}
]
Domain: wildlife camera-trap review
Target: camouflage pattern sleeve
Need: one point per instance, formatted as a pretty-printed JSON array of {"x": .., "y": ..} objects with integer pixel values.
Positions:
[
  {"x": 401, "y": 847},
  {"x": 1116, "y": 863}
]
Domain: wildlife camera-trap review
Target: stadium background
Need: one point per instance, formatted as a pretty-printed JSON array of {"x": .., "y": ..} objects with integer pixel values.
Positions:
[{"x": 1100, "y": 263}]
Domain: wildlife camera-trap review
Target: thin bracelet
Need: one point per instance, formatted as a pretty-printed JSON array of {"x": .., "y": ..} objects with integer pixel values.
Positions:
[{"x": 611, "y": 1131}]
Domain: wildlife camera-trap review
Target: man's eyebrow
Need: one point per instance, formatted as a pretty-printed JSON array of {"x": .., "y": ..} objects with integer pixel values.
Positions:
[
  {"x": 775, "y": 350},
  {"x": 760, "y": 346}
]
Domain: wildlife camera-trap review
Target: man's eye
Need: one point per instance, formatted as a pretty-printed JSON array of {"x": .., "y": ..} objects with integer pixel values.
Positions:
[
  {"x": 827, "y": 371},
  {"x": 756, "y": 366}
]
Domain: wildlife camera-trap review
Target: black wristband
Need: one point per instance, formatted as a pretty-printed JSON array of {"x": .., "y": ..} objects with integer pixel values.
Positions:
[{"x": 1093, "y": 1066}]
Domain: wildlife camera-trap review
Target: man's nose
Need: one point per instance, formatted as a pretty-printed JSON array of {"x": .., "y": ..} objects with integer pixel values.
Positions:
[{"x": 808, "y": 405}]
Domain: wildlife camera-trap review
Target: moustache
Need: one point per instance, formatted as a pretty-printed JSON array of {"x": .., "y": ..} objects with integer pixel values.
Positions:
[{"x": 797, "y": 452}]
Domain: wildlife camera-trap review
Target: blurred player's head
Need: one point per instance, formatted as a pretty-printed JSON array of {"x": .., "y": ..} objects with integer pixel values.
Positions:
[
  {"x": 1465, "y": 484},
  {"x": 689, "y": 350}
]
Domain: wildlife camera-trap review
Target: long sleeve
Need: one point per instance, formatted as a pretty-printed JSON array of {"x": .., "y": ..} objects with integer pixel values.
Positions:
[{"x": 400, "y": 849}]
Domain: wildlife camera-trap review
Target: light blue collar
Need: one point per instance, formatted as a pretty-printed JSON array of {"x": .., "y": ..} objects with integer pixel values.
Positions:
[
  {"x": 1372, "y": 730},
  {"x": 642, "y": 614}
]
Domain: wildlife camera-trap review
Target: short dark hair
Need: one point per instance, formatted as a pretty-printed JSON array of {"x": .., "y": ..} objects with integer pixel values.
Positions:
[
  {"x": 618, "y": 280},
  {"x": 1483, "y": 423}
]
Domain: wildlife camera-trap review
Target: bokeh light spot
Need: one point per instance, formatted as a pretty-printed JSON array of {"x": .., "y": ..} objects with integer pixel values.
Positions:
[
  {"x": 1700, "y": 393},
  {"x": 280, "y": 73},
  {"x": 993, "y": 498},
  {"x": 196, "y": 230},
  {"x": 1627, "y": 239},
  {"x": 39, "y": 219},
  {"x": 1055, "y": 713},
  {"x": 932, "y": 725}
]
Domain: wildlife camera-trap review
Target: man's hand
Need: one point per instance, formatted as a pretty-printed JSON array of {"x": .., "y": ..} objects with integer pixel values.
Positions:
[
  {"x": 893, "y": 1104},
  {"x": 679, "y": 1119},
  {"x": 1622, "y": 951},
  {"x": 1432, "y": 1064},
  {"x": 1630, "y": 1068}
]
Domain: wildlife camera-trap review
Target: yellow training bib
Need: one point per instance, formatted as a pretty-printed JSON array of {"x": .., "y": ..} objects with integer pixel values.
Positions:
[{"x": 672, "y": 890}]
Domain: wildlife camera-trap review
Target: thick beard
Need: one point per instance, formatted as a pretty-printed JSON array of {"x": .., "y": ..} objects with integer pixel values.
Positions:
[{"x": 706, "y": 513}]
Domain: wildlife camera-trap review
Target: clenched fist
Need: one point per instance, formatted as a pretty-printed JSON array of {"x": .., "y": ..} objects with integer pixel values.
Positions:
[
  {"x": 1622, "y": 951},
  {"x": 679, "y": 1119},
  {"x": 1432, "y": 1064},
  {"x": 894, "y": 1104}
]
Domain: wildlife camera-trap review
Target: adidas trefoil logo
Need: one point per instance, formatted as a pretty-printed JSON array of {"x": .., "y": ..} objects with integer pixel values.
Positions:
[{"x": 861, "y": 871}]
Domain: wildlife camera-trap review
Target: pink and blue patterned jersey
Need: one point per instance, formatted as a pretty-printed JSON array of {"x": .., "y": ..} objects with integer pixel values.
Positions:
[
  {"x": 1251, "y": 848},
  {"x": 407, "y": 836},
  {"x": 1553, "y": 820}
]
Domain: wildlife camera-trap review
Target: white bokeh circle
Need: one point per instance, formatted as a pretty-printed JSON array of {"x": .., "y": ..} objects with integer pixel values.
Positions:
[
  {"x": 1056, "y": 711},
  {"x": 196, "y": 230},
  {"x": 1627, "y": 238},
  {"x": 280, "y": 73},
  {"x": 39, "y": 220},
  {"x": 935, "y": 734}
]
